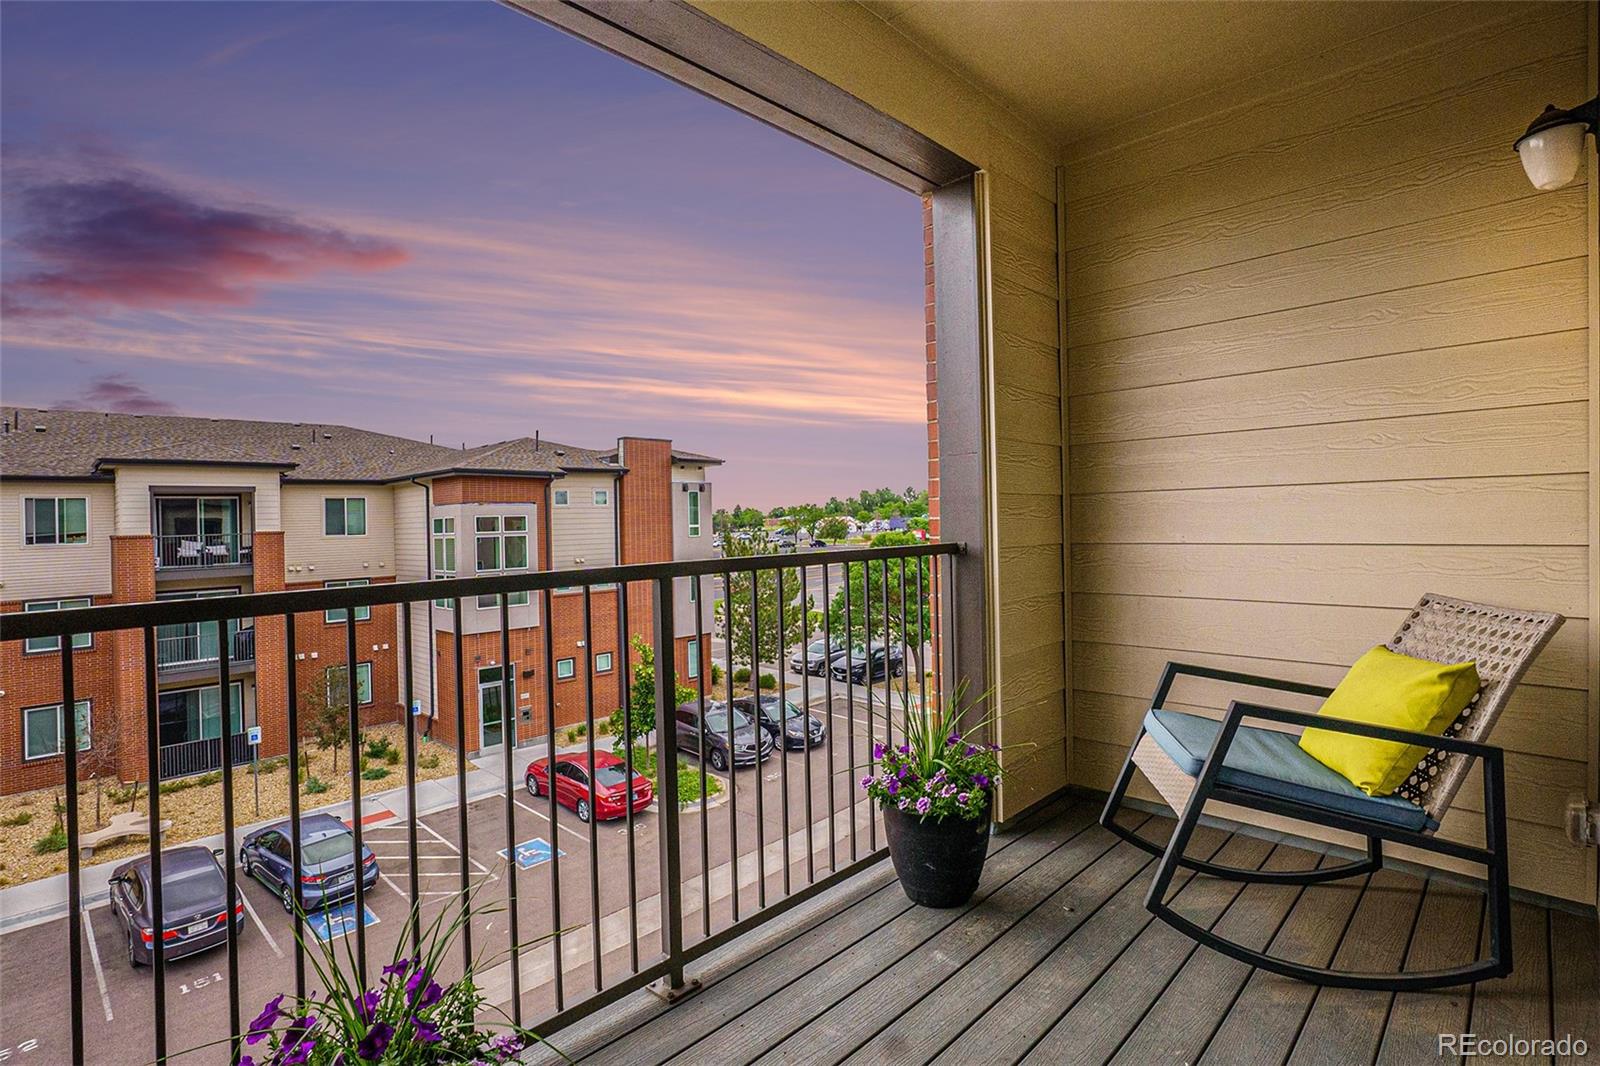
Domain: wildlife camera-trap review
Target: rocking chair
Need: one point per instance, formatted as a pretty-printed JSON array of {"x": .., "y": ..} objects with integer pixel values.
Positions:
[{"x": 1191, "y": 759}]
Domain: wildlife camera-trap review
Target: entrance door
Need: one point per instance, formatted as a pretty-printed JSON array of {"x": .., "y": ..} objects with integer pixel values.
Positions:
[{"x": 491, "y": 706}]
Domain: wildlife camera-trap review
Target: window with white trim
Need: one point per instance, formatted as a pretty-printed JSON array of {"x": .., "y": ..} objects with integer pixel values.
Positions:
[
  {"x": 337, "y": 614},
  {"x": 79, "y": 640},
  {"x": 492, "y": 600},
  {"x": 566, "y": 669},
  {"x": 344, "y": 516},
  {"x": 602, "y": 497},
  {"x": 338, "y": 685},
  {"x": 502, "y": 542},
  {"x": 694, "y": 658},
  {"x": 694, "y": 512},
  {"x": 444, "y": 547},
  {"x": 602, "y": 662},
  {"x": 42, "y": 730},
  {"x": 561, "y": 497},
  {"x": 55, "y": 520}
]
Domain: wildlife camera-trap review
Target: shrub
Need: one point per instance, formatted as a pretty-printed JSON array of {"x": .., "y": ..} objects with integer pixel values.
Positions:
[
  {"x": 19, "y": 818},
  {"x": 55, "y": 840},
  {"x": 716, "y": 675},
  {"x": 379, "y": 747},
  {"x": 430, "y": 761},
  {"x": 314, "y": 785},
  {"x": 392, "y": 756},
  {"x": 375, "y": 773},
  {"x": 741, "y": 675},
  {"x": 768, "y": 681}
]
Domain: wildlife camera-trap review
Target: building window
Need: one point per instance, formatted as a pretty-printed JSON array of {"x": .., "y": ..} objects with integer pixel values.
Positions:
[
  {"x": 694, "y": 590},
  {"x": 565, "y": 669},
  {"x": 601, "y": 497},
  {"x": 344, "y": 516},
  {"x": 602, "y": 663},
  {"x": 444, "y": 547},
  {"x": 79, "y": 640},
  {"x": 694, "y": 657},
  {"x": 337, "y": 614},
  {"x": 694, "y": 513},
  {"x": 561, "y": 497},
  {"x": 55, "y": 520},
  {"x": 492, "y": 600},
  {"x": 339, "y": 685},
  {"x": 42, "y": 730},
  {"x": 502, "y": 542}
]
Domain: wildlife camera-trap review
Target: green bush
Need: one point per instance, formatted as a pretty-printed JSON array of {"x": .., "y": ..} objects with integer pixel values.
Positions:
[
  {"x": 716, "y": 675},
  {"x": 429, "y": 761},
  {"x": 375, "y": 773},
  {"x": 380, "y": 747},
  {"x": 644, "y": 762},
  {"x": 315, "y": 785},
  {"x": 768, "y": 681},
  {"x": 20, "y": 818},
  {"x": 392, "y": 756},
  {"x": 741, "y": 675},
  {"x": 55, "y": 840}
]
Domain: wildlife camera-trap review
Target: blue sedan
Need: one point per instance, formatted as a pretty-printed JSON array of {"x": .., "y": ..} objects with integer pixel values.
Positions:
[{"x": 327, "y": 861}]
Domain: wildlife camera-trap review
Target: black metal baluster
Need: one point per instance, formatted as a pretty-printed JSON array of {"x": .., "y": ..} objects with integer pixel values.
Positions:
[
  {"x": 936, "y": 606},
  {"x": 827, "y": 697},
  {"x": 668, "y": 854},
  {"x": 508, "y": 737},
  {"x": 733, "y": 793},
  {"x": 461, "y": 786},
  {"x": 850, "y": 706},
  {"x": 888, "y": 665},
  {"x": 733, "y": 766},
  {"x": 805, "y": 715},
  {"x": 292, "y": 691},
  {"x": 415, "y": 919},
  {"x": 705, "y": 814},
  {"x": 594, "y": 843},
  {"x": 550, "y": 781},
  {"x": 152, "y": 747},
  {"x": 225, "y": 712},
  {"x": 69, "y": 751},
  {"x": 872, "y": 710},
  {"x": 782, "y": 746},
  {"x": 625, "y": 687},
  {"x": 353, "y": 687},
  {"x": 922, "y": 643}
]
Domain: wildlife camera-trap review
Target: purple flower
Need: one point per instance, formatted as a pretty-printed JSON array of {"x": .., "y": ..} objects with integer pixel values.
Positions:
[
  {"x": 246, "y": 1060},
  {"x": 422, "y": 991},
  {"x": 994, "y": 747},
  {"x": 904, "y": 749},
  {"x": 923, "y": 805},
  {"x": 367, "y": 1006},
  {"x": 963, "y": 797},
  {"x": 905, "y": 801},
  {"x": 298, "y": 1052},
  {"x": 427, "y": 1032},
  {"x": 903, "y": 773},
  {"x": 953, "y": 739},
  {"x": 866, "y": 782},
  {"x": 936, "y": 778},
  {"x": 376, "y": 1042},
  {"x": 981, "y": 780},
  {"x": 971, "y": 751},
  {"x": 893, "y": 787},
  {"x": 264, "y": 1022},
  {"x": 878, "y": 750},
  {"x": 507, "y": 1044},
  {"x": 399, "y": 969},
  {"x": 947, "y": 791}
]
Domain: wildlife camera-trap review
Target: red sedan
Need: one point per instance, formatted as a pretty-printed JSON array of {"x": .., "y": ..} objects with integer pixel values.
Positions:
[{"x": 607, "y": 795}]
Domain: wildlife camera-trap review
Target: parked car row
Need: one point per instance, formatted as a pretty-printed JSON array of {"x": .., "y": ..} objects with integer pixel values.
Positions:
[
  {"x": 849, "y": 662},
  {"x": 601, "y": 790}
]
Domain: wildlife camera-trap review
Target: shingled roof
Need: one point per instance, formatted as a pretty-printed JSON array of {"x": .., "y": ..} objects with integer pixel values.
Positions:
[{"x": 87, "y": 444}]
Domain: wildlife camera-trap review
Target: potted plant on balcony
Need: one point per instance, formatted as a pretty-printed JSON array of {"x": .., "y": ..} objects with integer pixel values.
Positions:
[{"x": 936, "y": 789}]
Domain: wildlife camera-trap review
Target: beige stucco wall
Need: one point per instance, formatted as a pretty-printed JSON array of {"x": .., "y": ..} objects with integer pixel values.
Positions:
[
  {"x": 582, "y": 532},
  {"x": 309, "y": 554},
  {"x": 1330, "y": 351},
  {"x": 135, "y": 483},
  {"x": 49, "y": 571}
]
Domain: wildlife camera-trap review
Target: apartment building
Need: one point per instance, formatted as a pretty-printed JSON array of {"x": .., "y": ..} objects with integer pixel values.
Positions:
[{"x": 102, "y": 507}]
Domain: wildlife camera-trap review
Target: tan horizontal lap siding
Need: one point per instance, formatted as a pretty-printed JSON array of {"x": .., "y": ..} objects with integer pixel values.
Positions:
[
  {"x": 1328, "y": 350},
  {"x": 51, "y": 571},
  {"x": 311, "y": 555}
]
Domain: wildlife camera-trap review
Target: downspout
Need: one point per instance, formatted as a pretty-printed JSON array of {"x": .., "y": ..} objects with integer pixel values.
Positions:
[{"x": 427, "y": 563}]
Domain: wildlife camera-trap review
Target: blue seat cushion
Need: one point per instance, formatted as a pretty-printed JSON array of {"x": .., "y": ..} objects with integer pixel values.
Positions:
[{"x": 1272, "y": 763}]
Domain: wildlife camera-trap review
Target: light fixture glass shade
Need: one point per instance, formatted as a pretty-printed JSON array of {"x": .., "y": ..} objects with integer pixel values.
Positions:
[{"x": 1551, "y": 156}]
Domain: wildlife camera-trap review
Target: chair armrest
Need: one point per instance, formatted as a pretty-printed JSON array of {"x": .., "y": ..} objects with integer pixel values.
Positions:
[
  {"x": 1233, "y": 677},
  {"x": 1238, "y": 711}
]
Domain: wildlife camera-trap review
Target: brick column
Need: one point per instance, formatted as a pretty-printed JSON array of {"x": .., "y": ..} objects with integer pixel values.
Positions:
[
  {"x": 646, "y": 518},
  {"x": 272, "y": 699},
  {"x": 133, "y": 580}
]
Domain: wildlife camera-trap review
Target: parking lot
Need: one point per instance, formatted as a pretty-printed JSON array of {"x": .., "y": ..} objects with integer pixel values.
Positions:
[{"x": 119, "y": 1014}]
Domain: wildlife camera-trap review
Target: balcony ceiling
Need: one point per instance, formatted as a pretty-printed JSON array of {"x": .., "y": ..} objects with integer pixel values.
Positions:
[{"x": 1071, "y": 69}]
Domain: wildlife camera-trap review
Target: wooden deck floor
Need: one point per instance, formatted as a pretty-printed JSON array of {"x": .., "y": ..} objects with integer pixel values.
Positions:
[{"x": 1057, "y": 961}]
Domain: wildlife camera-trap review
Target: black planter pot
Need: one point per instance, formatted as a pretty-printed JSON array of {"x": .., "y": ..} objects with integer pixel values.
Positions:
[{"x": 938, "y": 861}]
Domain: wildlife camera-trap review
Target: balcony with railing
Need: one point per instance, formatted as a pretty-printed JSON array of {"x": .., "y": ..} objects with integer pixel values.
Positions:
[
  {"x": 202, "y": 551},
  {"x": 193, "y": 649}
]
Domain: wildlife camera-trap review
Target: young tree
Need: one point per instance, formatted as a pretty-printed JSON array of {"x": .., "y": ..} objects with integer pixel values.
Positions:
[
  {"x": 640, "y": 720},
  {"x": 866, "y": 583},
  {"x": 100, "y": 758},
  {"x": 832, "y": 529},
  {"x": 806, "y": 516},
  {"x": 324, "y": 712},
  {"x": 733, "y": 612}
]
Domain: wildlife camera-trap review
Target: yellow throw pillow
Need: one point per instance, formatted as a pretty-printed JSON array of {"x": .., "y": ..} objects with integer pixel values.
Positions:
[{"x": 1389, "y": 689}]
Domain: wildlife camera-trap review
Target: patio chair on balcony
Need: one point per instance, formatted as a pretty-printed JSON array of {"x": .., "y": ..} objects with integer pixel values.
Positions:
[
  {"x": 1191, "y": 760},
  {"x": 188, "y": 552}
]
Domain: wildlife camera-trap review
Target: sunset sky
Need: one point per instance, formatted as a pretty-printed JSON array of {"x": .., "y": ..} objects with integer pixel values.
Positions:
[{"x": 445, "y": 218}]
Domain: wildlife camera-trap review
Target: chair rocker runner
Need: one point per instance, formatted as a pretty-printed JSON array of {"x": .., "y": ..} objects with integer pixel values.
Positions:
[{"x": 1192, "y": 760}]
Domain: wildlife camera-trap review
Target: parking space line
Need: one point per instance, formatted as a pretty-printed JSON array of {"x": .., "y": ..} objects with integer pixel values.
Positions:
[
  {"x": 94, "y": 957},
  {"x": 250, "y": 909},
  {"x": 542, "y": 814},
  {"x": 390, "y": 882},
  {"x": 435, "y": 834}
]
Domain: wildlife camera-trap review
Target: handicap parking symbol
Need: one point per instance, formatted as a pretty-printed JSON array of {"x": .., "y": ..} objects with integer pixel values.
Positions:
[
  {"x": 338, "y": 921},
  {"x": 531, "y": 852}
]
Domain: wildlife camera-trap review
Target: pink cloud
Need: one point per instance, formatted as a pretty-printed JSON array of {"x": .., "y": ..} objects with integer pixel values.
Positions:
[
  {"x": 127, "y": 239},
  {"x": 118, "y": 392}
]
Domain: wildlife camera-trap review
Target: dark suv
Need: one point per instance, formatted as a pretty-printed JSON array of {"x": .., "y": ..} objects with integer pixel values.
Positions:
[
  {"x": 799, "y": 729},
  {"x": 749, "y": 743},
  {"x": 853, "y": 667},
  {"x": 194, "y": 905},
  {"x": 814, "y": 657}
]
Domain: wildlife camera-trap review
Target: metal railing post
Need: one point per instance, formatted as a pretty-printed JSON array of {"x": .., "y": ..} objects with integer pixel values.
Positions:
[{"x": 673, "y": 984}]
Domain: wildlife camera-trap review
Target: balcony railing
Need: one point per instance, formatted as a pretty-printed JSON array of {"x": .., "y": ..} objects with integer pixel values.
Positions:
[
  {"x": 201, "y": 756},
  {"x": 570, "y": 949},
  {"x": 197, "y": 551},
  {"x": 190, "y": 651}
]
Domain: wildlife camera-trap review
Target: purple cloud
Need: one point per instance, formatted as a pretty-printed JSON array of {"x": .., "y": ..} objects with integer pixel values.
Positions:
[
  {"x": 118, "y": 392},
  {"x": 125, "y": 239}
]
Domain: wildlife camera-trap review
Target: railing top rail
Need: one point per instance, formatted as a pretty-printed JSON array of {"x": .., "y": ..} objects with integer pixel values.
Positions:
[{"x": 22, "y": 626}]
